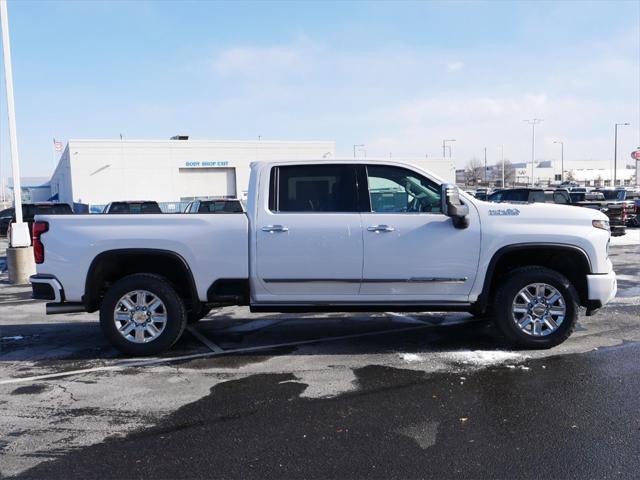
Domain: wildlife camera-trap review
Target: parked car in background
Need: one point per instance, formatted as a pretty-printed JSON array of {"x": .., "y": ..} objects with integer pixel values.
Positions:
[
  {"x": 30, "y": 210},
  {"x": 215, "y": 206},
  {"x": 482, "y": 193},
  {"x": 585, "y": 196},
  {"x": 132, "y": 207},
  {"x": 530, "y": 195}
]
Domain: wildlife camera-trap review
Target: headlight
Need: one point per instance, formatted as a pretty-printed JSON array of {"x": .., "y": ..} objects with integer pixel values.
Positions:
[{"x": 602, "y": 224}]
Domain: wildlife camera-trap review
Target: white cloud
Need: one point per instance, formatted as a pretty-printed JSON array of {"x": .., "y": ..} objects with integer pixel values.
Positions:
[{"x": 454, "y": 66}]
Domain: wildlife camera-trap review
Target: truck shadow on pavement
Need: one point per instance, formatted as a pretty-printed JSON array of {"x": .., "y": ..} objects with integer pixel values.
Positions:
[{"x": 75, "y": 343}]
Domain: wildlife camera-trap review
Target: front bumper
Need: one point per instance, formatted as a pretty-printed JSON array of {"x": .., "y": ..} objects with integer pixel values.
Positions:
[{"x": 602, "y": 289}]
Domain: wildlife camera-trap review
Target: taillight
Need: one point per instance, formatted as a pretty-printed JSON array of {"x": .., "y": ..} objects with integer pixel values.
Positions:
[{"x": 38, "y": 248}]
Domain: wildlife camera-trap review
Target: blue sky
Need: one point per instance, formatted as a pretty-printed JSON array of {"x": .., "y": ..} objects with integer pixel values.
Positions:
[{"x": 398, "y": 76}]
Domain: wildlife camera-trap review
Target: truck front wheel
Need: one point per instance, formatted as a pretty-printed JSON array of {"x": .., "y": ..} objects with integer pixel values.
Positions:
[
  {"x": 142, "y": 314},
  {"x": 536, "y": 307}
]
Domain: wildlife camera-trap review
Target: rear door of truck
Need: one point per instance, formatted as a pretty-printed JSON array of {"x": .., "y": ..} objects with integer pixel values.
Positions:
[{"x": 309, "y": 238}]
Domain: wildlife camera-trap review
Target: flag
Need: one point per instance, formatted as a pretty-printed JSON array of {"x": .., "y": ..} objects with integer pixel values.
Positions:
[{"x": 58, "y": 146}]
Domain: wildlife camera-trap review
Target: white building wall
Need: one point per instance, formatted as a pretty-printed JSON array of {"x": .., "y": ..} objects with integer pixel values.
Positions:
[{"x": 101, "y": 171}]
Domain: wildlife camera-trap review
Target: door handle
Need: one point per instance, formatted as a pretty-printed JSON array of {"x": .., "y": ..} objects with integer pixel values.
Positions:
[
  {"x": 275, "y": 228},
  {"x": 380, "y": 228}
]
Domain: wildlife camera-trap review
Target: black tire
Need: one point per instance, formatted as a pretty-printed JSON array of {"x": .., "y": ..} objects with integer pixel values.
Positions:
[
  {"x": 158, "y": 286},
  {"x": 194, "y": 316},
  {"x": 510, "y": 287}
]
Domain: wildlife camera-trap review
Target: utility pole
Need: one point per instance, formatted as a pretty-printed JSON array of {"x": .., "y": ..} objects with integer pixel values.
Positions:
[
  {"x": 561, "y": 160},
  {"x": 615, "y": 153},
  {"x": 445, "y": 146},
  {"x": 533, "y": 122}
]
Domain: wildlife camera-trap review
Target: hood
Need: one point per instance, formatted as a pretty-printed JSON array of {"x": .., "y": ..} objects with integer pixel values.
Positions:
[{"x": 549, "y": 213}]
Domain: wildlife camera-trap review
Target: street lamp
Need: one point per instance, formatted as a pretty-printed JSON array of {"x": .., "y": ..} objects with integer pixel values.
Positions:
[
  {"x": 615, "y": 152},
  {"x": 561, "y": 160},
  {"x": 444, "y": 146},
  {"x": 533, "y": 122},
  {"x": 360, "y": 145}
]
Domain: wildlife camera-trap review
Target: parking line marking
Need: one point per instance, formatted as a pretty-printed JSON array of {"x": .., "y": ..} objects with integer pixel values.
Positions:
[
  {"x": 208, "y": 343},
  {"x": 193, "y": 356},
  {"x": 406, "y": 318}
]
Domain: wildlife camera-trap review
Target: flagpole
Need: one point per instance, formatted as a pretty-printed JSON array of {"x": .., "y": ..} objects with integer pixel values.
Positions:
[{"x": 19, "y": 230}]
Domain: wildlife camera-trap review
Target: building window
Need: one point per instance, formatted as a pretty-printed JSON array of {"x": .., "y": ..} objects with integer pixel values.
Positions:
[{"x": 558, "y": 177}]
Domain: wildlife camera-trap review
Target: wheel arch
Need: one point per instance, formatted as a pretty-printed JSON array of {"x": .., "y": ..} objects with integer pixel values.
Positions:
[
  {"x": 112, "y": 265},
  {"x": 569, "y": 260}
]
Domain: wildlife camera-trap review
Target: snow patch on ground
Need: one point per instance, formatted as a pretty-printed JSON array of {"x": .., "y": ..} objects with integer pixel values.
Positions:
[
  {"x": 411, "y": 357},
  {"x": 481, "y": 358}
]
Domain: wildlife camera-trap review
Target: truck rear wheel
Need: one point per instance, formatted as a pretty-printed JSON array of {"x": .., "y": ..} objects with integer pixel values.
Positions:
[
  {"x": 142, "y": 314},
  {"x": 536, "y": 307}
]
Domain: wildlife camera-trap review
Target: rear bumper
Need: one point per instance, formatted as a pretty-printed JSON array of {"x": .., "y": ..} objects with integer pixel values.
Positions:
[
  {"x": 47, "y": 287},
  {"x": 602, "y": 289}
]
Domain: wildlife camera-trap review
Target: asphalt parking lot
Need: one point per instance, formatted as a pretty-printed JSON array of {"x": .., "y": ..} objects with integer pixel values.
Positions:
[{"x": 321, "y": 396}]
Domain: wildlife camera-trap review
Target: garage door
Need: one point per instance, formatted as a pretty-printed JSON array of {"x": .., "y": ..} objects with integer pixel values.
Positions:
[{"x": 207, "y": 182}]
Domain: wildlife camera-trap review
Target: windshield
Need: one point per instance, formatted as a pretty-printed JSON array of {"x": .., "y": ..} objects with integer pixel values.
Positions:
[
  {"x": 142, "y": 207},
  {"x": 56, "y": 209}
]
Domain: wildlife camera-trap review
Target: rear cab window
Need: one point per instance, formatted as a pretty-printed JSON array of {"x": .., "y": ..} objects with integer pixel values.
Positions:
[{"x": 313, "y": 188}]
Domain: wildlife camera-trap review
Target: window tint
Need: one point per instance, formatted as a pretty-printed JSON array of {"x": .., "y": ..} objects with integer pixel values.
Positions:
[
  {"x": 395, "y": 189},
  {"x": 536, "y": 197},
  {"x": 313, "y": 188},
  {"x": 54, "y": 209},
  {"x": 220, "y": 206},
  {"x": 510, "y": 196}
]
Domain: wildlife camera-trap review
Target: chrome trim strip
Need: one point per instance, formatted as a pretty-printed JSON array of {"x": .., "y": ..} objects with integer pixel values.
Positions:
[
  {"x": 367, "y": 280},
  {"x": 310, "y": 280}
]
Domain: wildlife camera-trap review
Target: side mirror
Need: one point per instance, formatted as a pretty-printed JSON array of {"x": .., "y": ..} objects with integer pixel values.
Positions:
[{"x": 453, "y": 207}]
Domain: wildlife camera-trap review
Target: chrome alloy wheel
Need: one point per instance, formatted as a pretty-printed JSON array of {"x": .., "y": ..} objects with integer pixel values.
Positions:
[
  {"x": 140, "y": 316},
  {"x": 538, "y": 309}
]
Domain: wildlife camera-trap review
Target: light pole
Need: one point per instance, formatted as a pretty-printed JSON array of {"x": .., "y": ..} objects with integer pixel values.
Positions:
[
  {"x": 561, "y": 160},
  {"x": 485, "y": 166},
  {"x": 502, "y": 160},
  {"x": 533, "y": 122},
  {"x": 444, "y": 146},
  {"x": 360, "y": 145},
  {"x": 615, "y": 153},
  {"x": 19, "y": 230}
]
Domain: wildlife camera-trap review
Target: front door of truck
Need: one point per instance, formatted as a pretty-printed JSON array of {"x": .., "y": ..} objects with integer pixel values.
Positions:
[
  {"x": 309, "y": 235},
  {"x": 412, "y": 251}
]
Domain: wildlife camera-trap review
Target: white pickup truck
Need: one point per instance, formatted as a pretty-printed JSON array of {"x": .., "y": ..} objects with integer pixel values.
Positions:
[{"x": 330, "y": 236}]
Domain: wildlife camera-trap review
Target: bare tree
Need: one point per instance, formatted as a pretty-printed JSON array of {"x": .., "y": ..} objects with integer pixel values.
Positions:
[
  {"x": 570, "y": 176},
  {"x": 474, "y": 172}
]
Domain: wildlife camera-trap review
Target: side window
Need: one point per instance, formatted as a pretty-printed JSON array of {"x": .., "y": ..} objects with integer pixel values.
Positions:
[
  {"x": 313, "y": 188},
  {"x": 536, "y": 197},
  {"x": 395, "y": 189}
]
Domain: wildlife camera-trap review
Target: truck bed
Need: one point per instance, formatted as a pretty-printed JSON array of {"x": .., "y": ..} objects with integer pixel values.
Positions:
[{"x": 213, "y": 246}]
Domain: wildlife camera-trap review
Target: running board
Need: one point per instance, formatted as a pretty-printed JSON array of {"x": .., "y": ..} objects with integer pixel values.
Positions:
[{"x": 351, "y": 307}]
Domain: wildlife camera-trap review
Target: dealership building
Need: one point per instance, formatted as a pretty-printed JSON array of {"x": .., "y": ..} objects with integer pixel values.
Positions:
[
  {"x": 172, "y": 172},
  {"x": 96, "y": 172}
]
